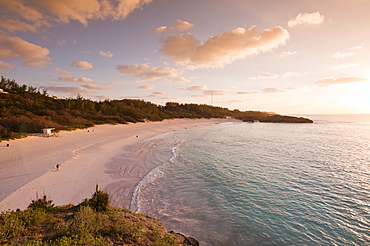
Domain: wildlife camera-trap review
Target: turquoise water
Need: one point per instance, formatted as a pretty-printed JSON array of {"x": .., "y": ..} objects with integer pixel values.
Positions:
[{"x": 263, "y": 183}]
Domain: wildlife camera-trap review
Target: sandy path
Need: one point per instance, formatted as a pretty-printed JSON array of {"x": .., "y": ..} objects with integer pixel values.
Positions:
[{"x": 27, "y": 166}]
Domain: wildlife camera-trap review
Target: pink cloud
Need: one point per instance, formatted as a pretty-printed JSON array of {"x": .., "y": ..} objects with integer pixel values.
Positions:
[
  {"x": 82, "y": 65},
  {"x": 157, "y": 94},
  {"x": 272, "y": 90},
  {"x": 147, "y": 87},
  {"x": 61, "y": 71},
  {"x": 145, "y": 72},
  {"x": 17, "y": 48},
  {"x": 195, "y": 88},
  {"x": 268, "y": 76},
  {"x": 212, "y": 93},
  {"x": 341, "y": 54},
  {"x": 106, "y": 54},
  {"x": 72, "y": 79},
  {"x": 338, "y": 81},
  {"x": 223, "y": 48},
  {"x": 7, "y": 66},
  {"x": 344, "y": 65},
  {"x": 306, "y": 19},
  {"x": 179, "y": 25},
  {"x": 45, "y": 13}
]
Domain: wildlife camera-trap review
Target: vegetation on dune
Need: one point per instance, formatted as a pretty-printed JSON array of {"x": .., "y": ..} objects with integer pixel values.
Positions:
[
  {"x": 93, "y": 222},
  {"x": 25, "y": 110},
  {"x": 275, "y": 118}
]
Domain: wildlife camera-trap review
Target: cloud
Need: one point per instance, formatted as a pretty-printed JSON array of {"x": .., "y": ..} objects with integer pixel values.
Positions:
[
  {"x": 223, "y": 48},
  {"x": 72, "y": 79},
  {"x": 82, "y": 64},
  {"x": 7, "y": 66},
  {"x": 94, "y": 87},
  {"x": 46, "y": 13},
  {"x": 17, "y": 48},
  {"x": 88, "y": 88},
  {"x": 306, "y": 19},
  {"x": 106, "y": 54},
  {"x": 61, "y": 42},
  {"x": 161, "y": 29},
  {"x": 16, "y": 25},
  {"x": 61, "y": 71},
  {"x": 272, "y": 90},
  {"x": 117, "y": 83},
  {"x": 168, "y": 98},
  {"x": 357, "y": 47},
  {"x": 212, "y": 93},
  {"x": 179, "y": 25},
  {"x": 183, "y": 25},
  {"x": 266, "y": 91},
  {"x": 195, "y": 88},
  {"x": 341, "y": 54},
  {"x": 291, "y": 74},
  {"x": 268, "y": 76},
  {"x": 63, "y": 11},
  {"x": 246, "y": 92},
  {"x": 147, "y": 87},
  {"x": 338, "y": 81},
  {"x": 71, "y": 90},
  {"x": 26, "y": 12},
  {"x": 15, "y": 16},
  {"x": 145, "y": 72},
  {"x": 157, "y": 94},
  {"x": 181, "y": 79},
  {"x": 288, "y": 53},
  {"x": 344, "y": 65}
]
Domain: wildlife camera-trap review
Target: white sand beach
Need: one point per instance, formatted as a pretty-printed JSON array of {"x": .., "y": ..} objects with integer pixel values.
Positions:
[{"x": 28, "y": 166}]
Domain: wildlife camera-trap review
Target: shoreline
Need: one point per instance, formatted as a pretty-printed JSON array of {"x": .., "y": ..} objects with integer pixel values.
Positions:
[{"x": 28, "y": 167}]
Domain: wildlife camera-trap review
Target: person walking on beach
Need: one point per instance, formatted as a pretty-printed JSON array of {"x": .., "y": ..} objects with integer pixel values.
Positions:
[{"x": 57, "y": 166}]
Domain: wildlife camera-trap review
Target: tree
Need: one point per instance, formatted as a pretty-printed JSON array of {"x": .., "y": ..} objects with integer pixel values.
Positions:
[{"x": 99, "y": 201}]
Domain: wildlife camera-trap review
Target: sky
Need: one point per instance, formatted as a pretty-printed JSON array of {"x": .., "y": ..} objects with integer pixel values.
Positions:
[{"x": 295, "y": 57}]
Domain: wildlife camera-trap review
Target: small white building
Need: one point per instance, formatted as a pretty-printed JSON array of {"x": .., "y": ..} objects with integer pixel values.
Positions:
[{"x": 47, "y": 132}]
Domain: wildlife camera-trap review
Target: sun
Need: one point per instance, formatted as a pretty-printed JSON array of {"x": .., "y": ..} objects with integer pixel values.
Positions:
[{"x": 359, "y": 98}]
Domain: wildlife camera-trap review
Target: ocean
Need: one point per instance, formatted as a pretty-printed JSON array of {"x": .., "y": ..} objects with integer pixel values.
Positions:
[{"x": 242, "y": 183}]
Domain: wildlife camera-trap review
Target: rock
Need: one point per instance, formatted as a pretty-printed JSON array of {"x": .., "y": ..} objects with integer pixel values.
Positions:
[{"x": 184, "y": 239}]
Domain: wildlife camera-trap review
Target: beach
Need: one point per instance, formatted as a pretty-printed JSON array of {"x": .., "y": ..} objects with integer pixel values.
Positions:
[{"x": 28, "y": 167}]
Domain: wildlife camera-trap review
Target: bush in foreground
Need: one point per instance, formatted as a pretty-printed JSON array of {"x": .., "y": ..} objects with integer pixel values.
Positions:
[
  {"x": 99, "y": 201},
  {"x": 89, "y": 223}
]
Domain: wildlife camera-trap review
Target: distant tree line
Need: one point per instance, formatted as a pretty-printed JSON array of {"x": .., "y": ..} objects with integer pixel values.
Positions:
[{"x": 25, "y": 109}]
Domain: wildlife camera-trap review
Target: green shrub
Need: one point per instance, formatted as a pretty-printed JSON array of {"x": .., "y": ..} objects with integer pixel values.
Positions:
[
  {"x": 93, "y": 222},
  {"x": 11, "y": 226},
  {"x": 84, "y": 222},
  {"x": 33, "y": 243},
  {"x": 124, "y": 229},
  {"x": 99, "y": 201},
  {"x": 78, "y": 241},
  {"x": 41, "y": 203},
  {"x": 33, "y": 216}
]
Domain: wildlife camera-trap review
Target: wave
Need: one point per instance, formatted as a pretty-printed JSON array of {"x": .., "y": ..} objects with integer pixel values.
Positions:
[{"x": 155, "y": 174}]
